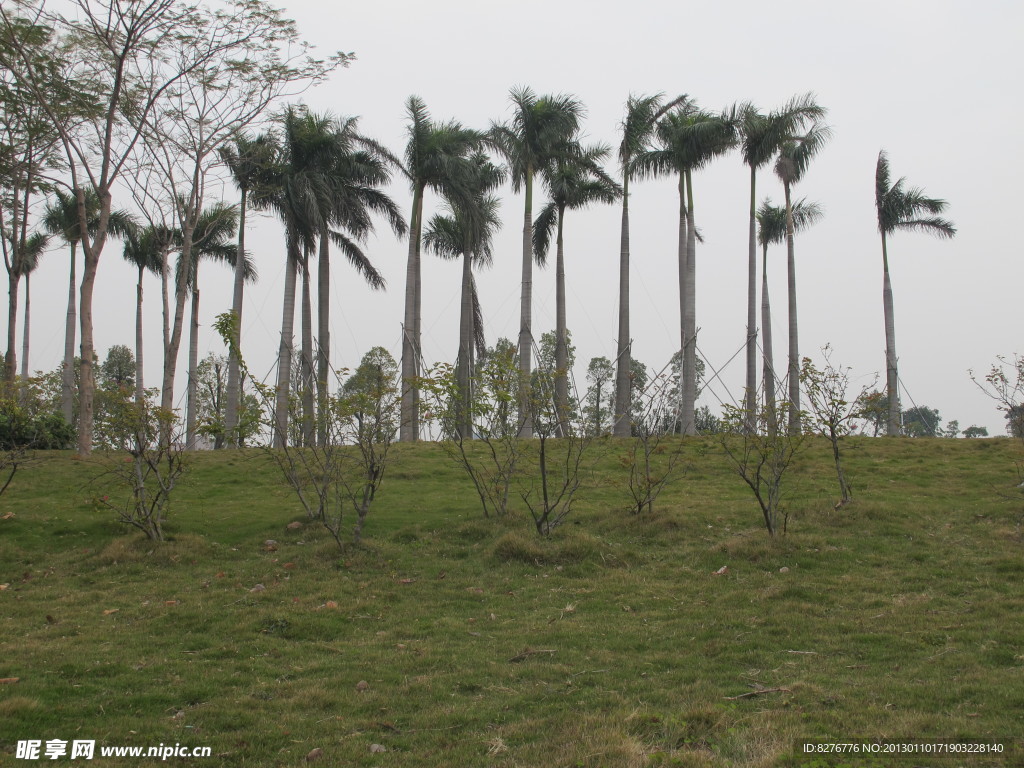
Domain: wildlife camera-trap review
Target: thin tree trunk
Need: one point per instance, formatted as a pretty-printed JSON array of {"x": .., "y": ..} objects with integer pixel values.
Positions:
[
  {"x": 794, "y": 347},
  {"x": 67, "y": 378},
  {"x": 768, "y": 373},
  {"x": 623, "y": 390},
  {"x": 234, "y": 387},
  {"x": 892, "y": 379},
  {"x": 191, "y": 406},
  {"x": 526, "y": 315},
  {"x": 180, "y": 295},
  {"x": 410, "y": 427},
  {"x": 140, "y": 390},
  {"x": 561, "y": 337},
  {"x": 323, "y": 341},
  {"x": 464, "y": 364},
  {"x": 284, "y": 354},
  {"x": 164, "y": 290},
  {"x": 690, "y": 319},
  {"x": 306, "y": 367},
  {"x": 750, "y": 398}
]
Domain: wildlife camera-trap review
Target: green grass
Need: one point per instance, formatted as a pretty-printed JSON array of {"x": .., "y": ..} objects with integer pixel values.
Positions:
[{"x": 611, "y": 644}]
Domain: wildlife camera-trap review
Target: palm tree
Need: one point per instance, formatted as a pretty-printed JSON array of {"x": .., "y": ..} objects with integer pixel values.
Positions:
[
  {"x": 468, "y": 231},
  {"x": 573, "y": 182},
  {"x": 327, "y": 175},
  {"x": 33, "y": 250},
  {"x": 147, "y": 250},
  {"x": 899, "y": 209},
  {"x": 761, "y": 138},
  {"x": 772, "y": 230},
  {"x": 291, "y": 191},
  {"x": 354, "y": 169},
  {"x": 794, "y": 158},
  {"x": 434, "y": 156},
  {"x": 540, "y": 132},
  {"x": 689, "y": 139},
  {"x": 215, "y": 228},
  {"x": 642, "y": 115},
  {"x": 249, "y": 160},
  {"x": 61, "y": 218}
]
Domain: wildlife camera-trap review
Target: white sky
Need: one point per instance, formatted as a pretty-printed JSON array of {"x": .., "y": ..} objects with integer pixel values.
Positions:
[{"x": 930, "y": 82}]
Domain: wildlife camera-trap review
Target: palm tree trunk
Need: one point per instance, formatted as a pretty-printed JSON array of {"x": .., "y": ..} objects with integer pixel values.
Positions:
[
  {"x": 690, "y": 319},
  {"x": 140, "y": 390},
  {"x": 410, "y": 427},
  {"x": 192, "y": 391},
  {"x": 750, "y": 398},
  {"x": 464, "y": 363},
  {"x": 24, "y": 332},
  {"x": 284, "y": 354},
  {"x": 234, "y": 386},
  {"x": 306, "y": 368},
  {"x": 323, "y": 341},
  {"x": 164, "y": 290},
  {"x": 87, "y": 380},
  {"x": 768, "y": 373},
  {"x": 67, "y": 377},
  {"x": 561, "y": 337},
  {"x": 892, "y": 378},
  {"x": 623, "y": 390},
  {"x": 526, "y": 315},
  {"x": 14, "y": 286},
  {"x": 794, "y": 347}
]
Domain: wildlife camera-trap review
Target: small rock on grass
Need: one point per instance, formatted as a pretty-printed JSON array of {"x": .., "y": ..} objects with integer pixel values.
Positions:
[
  {"x": 362, "y": 685},
  {"x": 378, "y": 748}
]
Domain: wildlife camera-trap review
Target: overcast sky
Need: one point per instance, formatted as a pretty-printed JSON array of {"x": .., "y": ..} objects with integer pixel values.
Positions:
[{"x": 933, "y": 83}]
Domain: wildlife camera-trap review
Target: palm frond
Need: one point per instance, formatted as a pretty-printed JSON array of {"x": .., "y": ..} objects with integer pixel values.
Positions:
[{"x": 359, "y": 260}]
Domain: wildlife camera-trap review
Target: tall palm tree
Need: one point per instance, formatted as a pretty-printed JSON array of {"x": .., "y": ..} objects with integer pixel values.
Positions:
[
  {"x": 434, "y": 155},
  {"x": 541, "y": 131},
  {"x": 642, "y": 115},
  {"x": 900, "y": 208},
  {"x": 327, "y": 175},
  {"x": 573, "y": 182},
  {"x": 354, "y": 169},
  {"x": 761, "y": 138},
  {"x": 794, "y": 158},
  {"x": 468, "y": 231},
  {"x": 33, "y": 250},
  {"x": 61, "y": 218},
  {"x": 771, "y": 221},
  {"x": 146, "y": 249},
  {"x": 291, "y": 191},
  {"x": 249, "y": 159},
  {"x": 689, "y": 139}
]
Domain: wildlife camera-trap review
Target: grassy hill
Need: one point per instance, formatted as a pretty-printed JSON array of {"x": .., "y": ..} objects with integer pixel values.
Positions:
[{"x": 451, "y": 640}]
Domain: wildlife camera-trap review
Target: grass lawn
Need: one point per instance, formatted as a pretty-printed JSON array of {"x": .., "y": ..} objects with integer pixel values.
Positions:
[{"x": 451, "y": 640}]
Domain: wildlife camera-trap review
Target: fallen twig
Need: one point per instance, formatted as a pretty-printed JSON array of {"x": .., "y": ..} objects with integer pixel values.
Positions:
[
  {"x": 758, "y": 692},
  {"x": 528, "y": 653}
]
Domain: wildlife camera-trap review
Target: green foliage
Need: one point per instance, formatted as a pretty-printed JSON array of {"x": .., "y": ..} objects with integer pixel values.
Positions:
[
  {"x": 212, "y": 398},
  {"x": 921, "y": 421},
  {"x": 118, "y": 369},
  {"x": 21, "y": 428}
]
